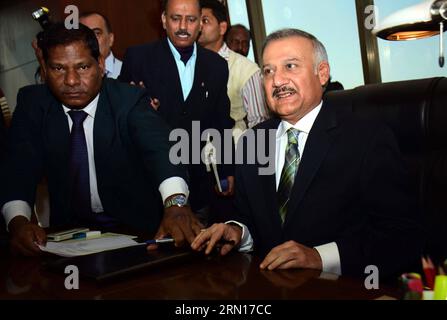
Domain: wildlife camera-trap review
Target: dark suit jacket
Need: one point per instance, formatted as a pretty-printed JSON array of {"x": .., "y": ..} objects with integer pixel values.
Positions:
[
  {"x": 207, "y": 102},
  {"x": 351, "y": 188},
  {"x": 131, "y": 154}
]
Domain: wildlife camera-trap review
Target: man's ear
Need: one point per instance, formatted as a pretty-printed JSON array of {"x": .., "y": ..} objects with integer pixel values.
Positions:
[
  {"x": 323, "y": 72},
  {"x": 111, "y": 39},
  {"x": 163, "y": 19},
  {"x": 223, "y": 27},
  {"x": 102, "y": 64}
]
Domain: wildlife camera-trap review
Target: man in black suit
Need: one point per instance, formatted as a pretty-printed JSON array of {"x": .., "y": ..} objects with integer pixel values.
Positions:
[
  {"x": 338, "y": 201},
  {"x": 187, "y": 83},
  {"x": 105, "y": 154}
]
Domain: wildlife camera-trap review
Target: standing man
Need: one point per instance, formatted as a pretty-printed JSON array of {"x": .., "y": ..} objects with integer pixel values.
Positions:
[
  {"x": 244, "y": 84},
  {"x": 104, "y": 152},
  {"x": 238, "y": 39},
  {"x": 339, "y": 200},
  {"x": 189, "y": 84},
  {"x": 103, "y": 31}
]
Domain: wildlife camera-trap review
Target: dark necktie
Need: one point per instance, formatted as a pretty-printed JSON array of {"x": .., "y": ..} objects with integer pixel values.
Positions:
[
  {"x": 185, "y": 53},
  {"x": 291, "y": 163},
  {"x": 78, "y": 167}
]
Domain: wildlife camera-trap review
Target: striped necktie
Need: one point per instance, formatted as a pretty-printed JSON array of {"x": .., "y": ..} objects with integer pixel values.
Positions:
[{"x": 291, "y": 163}]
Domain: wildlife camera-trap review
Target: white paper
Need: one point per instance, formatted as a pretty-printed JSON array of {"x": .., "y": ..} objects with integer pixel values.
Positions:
[{"x": 84, "y": 247}]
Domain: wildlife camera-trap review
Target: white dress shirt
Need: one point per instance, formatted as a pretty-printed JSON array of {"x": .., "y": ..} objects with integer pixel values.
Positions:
[
  {"x": 170, "y": 186},
  {"x": 253, "y": 96},
  {"x": 113, "y": 66},
  {"x": 329, "y": 253}
]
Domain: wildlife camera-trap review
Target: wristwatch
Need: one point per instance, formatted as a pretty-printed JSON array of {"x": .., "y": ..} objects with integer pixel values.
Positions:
[{"x": 178, "y": 200}]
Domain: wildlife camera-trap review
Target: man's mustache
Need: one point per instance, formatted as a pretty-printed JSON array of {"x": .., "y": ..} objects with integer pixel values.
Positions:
[
  {"x": 283, "y": 89},
  {"x": 182, "y": 33}
]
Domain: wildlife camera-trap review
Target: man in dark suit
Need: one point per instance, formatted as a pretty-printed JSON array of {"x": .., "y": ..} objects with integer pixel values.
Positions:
[
  {"x": 338, "y": 201},
  {"x": 105, "y": 154},
  {"x": 187, "y": 83}
]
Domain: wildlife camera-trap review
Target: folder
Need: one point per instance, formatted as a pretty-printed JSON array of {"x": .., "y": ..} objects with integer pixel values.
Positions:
[{"x": 113, "y": 264}]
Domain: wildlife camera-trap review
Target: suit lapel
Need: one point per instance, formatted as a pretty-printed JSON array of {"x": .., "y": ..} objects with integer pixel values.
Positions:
[
  {"x": 318, "y": 143},
  {"x": 57, "y": 135},
  {"x": 199, "y": 84},
  {"x": 103, "y": 131},
  {"x": 268, "y": 185}
]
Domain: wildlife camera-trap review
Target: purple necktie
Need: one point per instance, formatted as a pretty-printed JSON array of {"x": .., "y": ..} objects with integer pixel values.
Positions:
[{"x": 78, "y": 168}]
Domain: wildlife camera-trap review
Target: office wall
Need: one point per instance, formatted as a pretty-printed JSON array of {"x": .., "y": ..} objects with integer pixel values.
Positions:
[{"x": 133, "y": 21}]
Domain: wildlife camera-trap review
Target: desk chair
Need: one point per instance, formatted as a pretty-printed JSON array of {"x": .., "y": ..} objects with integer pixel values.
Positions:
[{"x": 416, "y": 111}]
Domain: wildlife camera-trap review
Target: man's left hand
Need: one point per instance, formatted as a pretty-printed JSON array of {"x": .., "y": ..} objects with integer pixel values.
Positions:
[
  {"x": 181, "y": 224},
  {"x": 292, "y": 255}
]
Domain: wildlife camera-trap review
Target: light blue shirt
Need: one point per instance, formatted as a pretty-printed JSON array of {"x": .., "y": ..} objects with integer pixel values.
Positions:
[{"x": 185, "y": 72}]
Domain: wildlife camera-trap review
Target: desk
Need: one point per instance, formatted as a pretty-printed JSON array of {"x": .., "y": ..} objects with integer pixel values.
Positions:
[{"x": 233, "y": 277}]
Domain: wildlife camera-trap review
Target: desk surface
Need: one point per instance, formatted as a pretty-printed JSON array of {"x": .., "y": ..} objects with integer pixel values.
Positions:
[{"x": 233, "y": 277}]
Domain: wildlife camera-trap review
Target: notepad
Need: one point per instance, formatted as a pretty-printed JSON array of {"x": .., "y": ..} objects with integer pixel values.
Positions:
[{"x": 82, "y": 247}]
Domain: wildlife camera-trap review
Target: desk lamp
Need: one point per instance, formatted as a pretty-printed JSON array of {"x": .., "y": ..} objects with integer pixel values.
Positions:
[{"x": 419, "y": 21}]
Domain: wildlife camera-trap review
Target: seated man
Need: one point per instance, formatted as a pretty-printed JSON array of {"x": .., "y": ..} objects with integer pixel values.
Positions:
[
  {"x": 104, "y": 152},
  {"x": 339, "y": 198}
]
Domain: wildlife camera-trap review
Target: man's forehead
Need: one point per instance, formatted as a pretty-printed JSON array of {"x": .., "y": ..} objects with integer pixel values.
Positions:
[
  {"x": 94, "y": 21},
  {"x": 177, "y": 7}
]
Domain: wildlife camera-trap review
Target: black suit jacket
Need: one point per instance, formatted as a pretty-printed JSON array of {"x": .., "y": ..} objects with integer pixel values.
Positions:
[
  {"x": 207, "y": 102},
  {"x": 131, "y": 150},
  {"x": 351, "y": 188}
]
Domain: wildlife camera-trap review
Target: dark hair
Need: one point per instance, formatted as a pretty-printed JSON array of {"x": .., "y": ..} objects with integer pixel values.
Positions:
[
  {"x": 240, "y": 26},
  {"x": 57, "y": 35},
  {"x": 164, "y": 5},
  {"x": 91, "y": 13},
  {"x": 218, "y": 9}
]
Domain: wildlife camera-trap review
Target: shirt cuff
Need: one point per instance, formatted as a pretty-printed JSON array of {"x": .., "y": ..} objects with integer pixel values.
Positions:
[
  {"x": 171, "y": 186},
  {"x": 14, "y": 209},
  {"x": 246, "y": 244},
  {"x": 330, "y": 258}
]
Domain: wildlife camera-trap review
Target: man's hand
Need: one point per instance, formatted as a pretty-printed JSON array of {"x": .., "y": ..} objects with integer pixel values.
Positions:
[
  {"x": 292, "y": 255},
  {"x": 230, "y": 191},
  {"x": 180, "y": 223},
  {"x": 210, "y": 237},
  {"x": 25, "y": 236},
  {"x": 154, "y": 102}
]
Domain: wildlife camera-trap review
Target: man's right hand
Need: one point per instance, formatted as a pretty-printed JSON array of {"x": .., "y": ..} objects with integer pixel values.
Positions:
[{"x": 25, "y": 236}]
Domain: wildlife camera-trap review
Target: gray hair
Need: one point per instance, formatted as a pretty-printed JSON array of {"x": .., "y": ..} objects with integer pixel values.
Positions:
[{"x": 320, "y": 53}]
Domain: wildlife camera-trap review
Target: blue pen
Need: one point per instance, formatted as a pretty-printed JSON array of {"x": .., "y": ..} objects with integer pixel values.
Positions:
[{"x": 160, "y": 241}]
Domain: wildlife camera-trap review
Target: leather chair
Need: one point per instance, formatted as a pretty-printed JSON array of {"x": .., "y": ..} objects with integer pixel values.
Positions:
[{"x": 416, "y": 111}]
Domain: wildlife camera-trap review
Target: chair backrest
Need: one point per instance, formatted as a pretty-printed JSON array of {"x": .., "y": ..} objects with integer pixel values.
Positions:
[{"x": 416, "y": 111}]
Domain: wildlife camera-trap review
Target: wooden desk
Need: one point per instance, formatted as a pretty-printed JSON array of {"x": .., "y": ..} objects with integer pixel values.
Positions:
[{"x": 233, "y": 277}]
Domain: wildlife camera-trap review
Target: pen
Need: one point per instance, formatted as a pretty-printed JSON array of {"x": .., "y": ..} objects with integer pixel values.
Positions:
[{"x": 160, "y": 241}]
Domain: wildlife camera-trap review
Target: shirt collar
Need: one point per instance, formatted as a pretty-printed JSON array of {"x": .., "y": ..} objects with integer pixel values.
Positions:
[
  {"x": 110, "y": 62},
  {"x": 224, "y": 52},
  {"x": 90, "y": 109},
  {"x": 176, "y": 54},
  {"x": 305, "y": 124}
]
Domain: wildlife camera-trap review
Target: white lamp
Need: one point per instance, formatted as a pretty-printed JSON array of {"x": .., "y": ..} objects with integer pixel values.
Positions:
[{"x": 415, "y": 22}]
